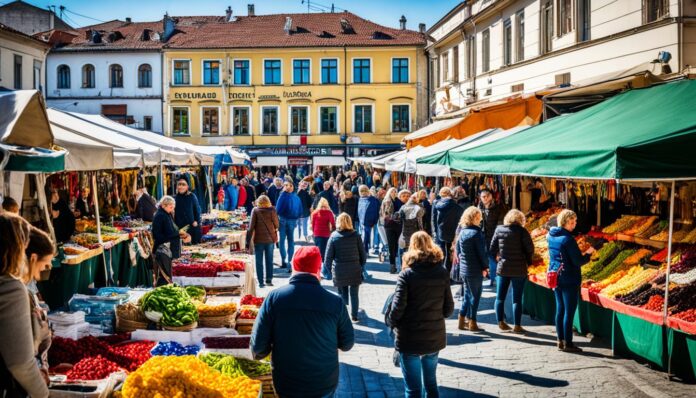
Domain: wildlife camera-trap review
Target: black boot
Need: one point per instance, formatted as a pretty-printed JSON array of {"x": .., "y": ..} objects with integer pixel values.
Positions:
[{"x": 392, "y": 270}]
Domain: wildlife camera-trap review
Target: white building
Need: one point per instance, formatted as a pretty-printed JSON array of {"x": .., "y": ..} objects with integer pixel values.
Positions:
[
  {"x": 488, "y": 50},
  {"x": 22, "y": 60},
  {"x": 113, "y": 69}
]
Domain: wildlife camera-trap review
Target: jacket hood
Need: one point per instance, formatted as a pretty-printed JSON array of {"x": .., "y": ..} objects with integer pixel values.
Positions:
[
  {"x": 558, "y": 231},
  {"x": 411, "y": 210},
  {"x": 422, "y": 259},
  {"x": 345, "y": 233}
]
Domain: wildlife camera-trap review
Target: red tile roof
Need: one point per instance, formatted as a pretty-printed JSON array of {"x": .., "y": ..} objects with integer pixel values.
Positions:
[
  {"x": 308, "y": 30},
  {"x": 262, "y": 31}
]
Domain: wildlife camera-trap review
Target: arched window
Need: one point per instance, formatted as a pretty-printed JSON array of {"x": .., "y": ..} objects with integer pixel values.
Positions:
[
  {"x": 63, "y": 76},
  {"x": 115, "y": 76},
  {"x": 88, "y": 76},
  {"x": 144, "y": 76}
]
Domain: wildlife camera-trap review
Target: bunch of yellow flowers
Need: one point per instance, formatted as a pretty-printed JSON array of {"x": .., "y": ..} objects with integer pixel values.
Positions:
[{"x": 185, "y": 376}]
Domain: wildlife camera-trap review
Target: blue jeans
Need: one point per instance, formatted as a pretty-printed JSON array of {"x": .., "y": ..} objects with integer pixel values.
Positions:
[
  {"x": 473, "y": 286},
  {"x": 287, "y": 232},
  {"x": 264, "y": 250},
  {"x": 321, "y": 243},
  {"x": 419, "y": 375},
  {"x": 503, "y": 283},
  {"x": 446, "y": 248},
  {"x": 375, "y": 237},
  {"x": 352, "y": 291},
  {"x": 566, "y": 304},
  {"x": 492, "y": 266},
  {"x": 302, "y": 227},
  {"x": 366, "y": 235}
]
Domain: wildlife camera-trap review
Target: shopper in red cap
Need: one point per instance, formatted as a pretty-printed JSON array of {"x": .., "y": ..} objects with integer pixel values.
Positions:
[{"x": 303, "y": 311}]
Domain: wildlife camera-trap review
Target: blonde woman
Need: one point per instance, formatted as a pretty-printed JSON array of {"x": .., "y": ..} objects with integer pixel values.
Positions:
[
  {"x": 346, "y": 257},
  {"x": 263, "y": 234},
  {"x": 473, "y": 266},
  {"x": 421, "y": 303},
  {"x": 513, "y": 249},
  {"x": 323, "y": 223}
]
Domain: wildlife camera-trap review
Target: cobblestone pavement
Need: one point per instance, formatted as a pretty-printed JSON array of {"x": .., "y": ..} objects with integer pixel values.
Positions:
[{"x": 490, "y": 363}]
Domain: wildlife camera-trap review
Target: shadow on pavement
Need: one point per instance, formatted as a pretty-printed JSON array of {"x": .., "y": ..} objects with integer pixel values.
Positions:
[{"x": 522, "y": 377}]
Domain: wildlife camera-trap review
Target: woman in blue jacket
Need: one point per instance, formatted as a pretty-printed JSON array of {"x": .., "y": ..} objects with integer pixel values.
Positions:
[
  {"x": 473, "y": 266},
  {"x": 188, "y": 212},
  {"x": 566, "y": 258}
]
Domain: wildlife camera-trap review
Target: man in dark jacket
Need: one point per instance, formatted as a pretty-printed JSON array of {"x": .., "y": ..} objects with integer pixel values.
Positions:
[
  {"x": 368, "y": 214},
  {"x": 262, "y": 188},
  {"x": 328, "y": 194},
  {"x": 250, "y": 195},
  {"x": 445, "y": 219},
  {"x": 493, "y": 215},
  {"x": 289, "y": 210},
  {"x": 275, "y": 190},
  {"x": 303, "y": 311},
  {"x": 145, "y": 206}
]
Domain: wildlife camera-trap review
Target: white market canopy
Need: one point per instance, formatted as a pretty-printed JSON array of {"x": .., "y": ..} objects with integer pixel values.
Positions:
[
  {"x": 86, "y": 154},
  {"x": 381, "y": 162},
  {"x": 23, "y": 120}
]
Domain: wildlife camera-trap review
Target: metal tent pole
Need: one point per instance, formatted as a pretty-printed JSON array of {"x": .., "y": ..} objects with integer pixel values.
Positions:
[{"x": 669, "y": 265}]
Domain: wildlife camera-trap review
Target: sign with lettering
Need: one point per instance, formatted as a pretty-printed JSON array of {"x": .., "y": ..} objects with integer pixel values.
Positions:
[
  {"x": 300, "y": 150},
  {"x": 297, "y": 94},
  {"x": 269, "y": 98},
  {"x": 192, "y": 96},
  {"x": 242, "y": 96}
]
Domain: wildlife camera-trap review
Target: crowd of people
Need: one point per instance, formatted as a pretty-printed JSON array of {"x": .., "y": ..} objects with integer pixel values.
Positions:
[{"x": 433, "y": 239}]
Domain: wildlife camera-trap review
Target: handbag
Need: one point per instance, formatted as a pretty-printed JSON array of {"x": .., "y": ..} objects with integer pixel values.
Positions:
[
  {"x": 455, "y": 274},
  {"x": 552, "y": 276}
]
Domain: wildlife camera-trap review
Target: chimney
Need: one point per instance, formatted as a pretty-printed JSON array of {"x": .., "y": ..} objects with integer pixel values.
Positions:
[
  {"x": 402, "y": 22},
  {"x": 288, "y": 25},
  {"x": 421, "y": 28},
  {"x": 250, "y": 10},
  {"x": 228, "y": 14},
  {"x": 168, "y": 25},
  {"x": 88, "y": 34},
  {"x": 128, "y": 20}
]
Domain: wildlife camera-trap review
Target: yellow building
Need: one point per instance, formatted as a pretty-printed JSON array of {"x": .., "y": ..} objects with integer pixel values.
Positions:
[{"x": 294, "y": 88}]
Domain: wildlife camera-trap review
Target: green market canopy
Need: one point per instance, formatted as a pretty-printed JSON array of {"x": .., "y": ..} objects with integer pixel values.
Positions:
[{"x": 641, "y": 134}]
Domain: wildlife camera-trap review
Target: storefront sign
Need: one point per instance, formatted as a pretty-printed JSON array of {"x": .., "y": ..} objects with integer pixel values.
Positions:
[
  {"x": 269, "y": 98},
  {"x": 192, "y": 96},
  {"x": 297, "y": 94},
  {"x": 295, "y": 150},
  {"x": 299, "y": 161},
  {"x": 242, "y": 96}
]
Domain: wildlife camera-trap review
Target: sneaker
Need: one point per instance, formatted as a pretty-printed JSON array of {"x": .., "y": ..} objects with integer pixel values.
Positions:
[
  {"x": 396, "y": 359},
  {"x": 283, "y": 265},
  {"x": 261, "y": 286},
  {"x": 572, "y": 348},
  {"x": 354, "y": 319},
  {"x": 268, "y": 283},
  {"x": 392, "y": 270}
]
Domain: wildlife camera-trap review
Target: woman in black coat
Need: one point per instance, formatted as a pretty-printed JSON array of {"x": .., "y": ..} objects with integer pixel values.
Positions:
[
  {"x": 513, "y": 248},
  {"x": 346, "y": 255},
  {"x": 421, "y": 303},
  {"x": 188, "y": 211},
  {"x": 348, "y": 204},
  {"x": 63, "y": 218},
  {"x": 165, "y": 231}
]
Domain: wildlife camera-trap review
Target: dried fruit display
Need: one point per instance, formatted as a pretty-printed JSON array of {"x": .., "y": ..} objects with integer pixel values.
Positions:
[{"x": 635, "y": 279}]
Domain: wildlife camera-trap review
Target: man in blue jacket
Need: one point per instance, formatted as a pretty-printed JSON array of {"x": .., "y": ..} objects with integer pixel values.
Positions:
[
  {"x": 289, "y": 208},
  {"x": 303, "y": 326},
  {"x": 231, "y": 195},
  {"x": 368, "y": 214},
  {"x": 275, "y": 190},
  {"x": 445, "y": 219}
]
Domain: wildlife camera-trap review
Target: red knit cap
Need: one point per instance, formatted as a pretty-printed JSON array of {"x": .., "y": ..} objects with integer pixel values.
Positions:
[{"x": 307, "y": 259}]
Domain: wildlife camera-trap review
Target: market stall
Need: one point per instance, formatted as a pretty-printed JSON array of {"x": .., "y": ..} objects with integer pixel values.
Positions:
[{"x": 637, "y": 279}]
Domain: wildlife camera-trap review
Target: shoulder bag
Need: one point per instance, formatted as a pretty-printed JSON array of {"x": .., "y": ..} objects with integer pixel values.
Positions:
[{"x": 552, "y": 275}]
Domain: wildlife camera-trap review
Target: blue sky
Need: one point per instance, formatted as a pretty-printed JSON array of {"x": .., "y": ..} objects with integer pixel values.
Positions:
[{"x": 385, "y": 12}]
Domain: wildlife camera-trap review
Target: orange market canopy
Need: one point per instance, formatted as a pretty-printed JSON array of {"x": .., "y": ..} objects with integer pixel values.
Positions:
[{"x": 504, "y": 114}]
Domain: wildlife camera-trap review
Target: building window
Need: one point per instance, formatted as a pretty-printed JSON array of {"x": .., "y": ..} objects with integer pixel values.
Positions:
[
  {"x": 565, "y": 17},
  {"x": 88, "y": 76},
  {"x": 401, "y": 119},
  {"x": 519, "y": 22},
  {"x": 300, "y": 71},
  {"x": 240, "y": 120},
  {"x": 400, "y": 70},
  {"x": 516, "y": 88},
  {"x": 455, "y": 63},
  {"x": 17, "y": 72},
  {"x": 328, "y": 120},
  {"x": 241, "y": 72},
  {"x": 486, "y": 51},
  {"x": 471, "y": 61},
  {"x": 63, "y": 76},
  {"x": 271, "y": 72},
  {"x": 180, "y": 121},
  {"x": 116, "y": 76},
  {"x": 434, "y": 75},
  {"x": 299, "y": 120},
  {"x": 211, "y": 72},
  {"x": 654, "y": 10},
  {"x": 363, "y": 119},
  {"x": 507, "y": 42},
  {"x": 562, "y": 79},
  {"x": 37, "y": 75},
  {"x": 210, "y": 121},
  {"x": 147, "y": 123},
  {"x": 445, "y": 67},
  {"x": 269, "y": 120},
  {"x": 182, "y": 72},
  {"x": 329, "y": 71},
  {"x": 361, "y": 70},
  {"x": 144, "y": 76},
  {"x": 546, "y": 26}
]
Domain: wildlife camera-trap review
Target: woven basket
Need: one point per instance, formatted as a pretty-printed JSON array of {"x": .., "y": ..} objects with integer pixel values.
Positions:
[
  {"x": 224, "y": 321},
  {"x": 185, "y": 328},
  {"x": 244, "y": 329},
  {"x": 267, "y": 388},
  {"x": 127, "y": 325}
]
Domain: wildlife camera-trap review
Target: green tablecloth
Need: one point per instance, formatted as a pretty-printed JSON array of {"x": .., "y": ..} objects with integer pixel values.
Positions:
[
  {"x": 681, "y": 348},
  {"x": 539, "y": 302},
  {"x": 635, "y": 337},
  {"x": 591, "y": 318}
]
